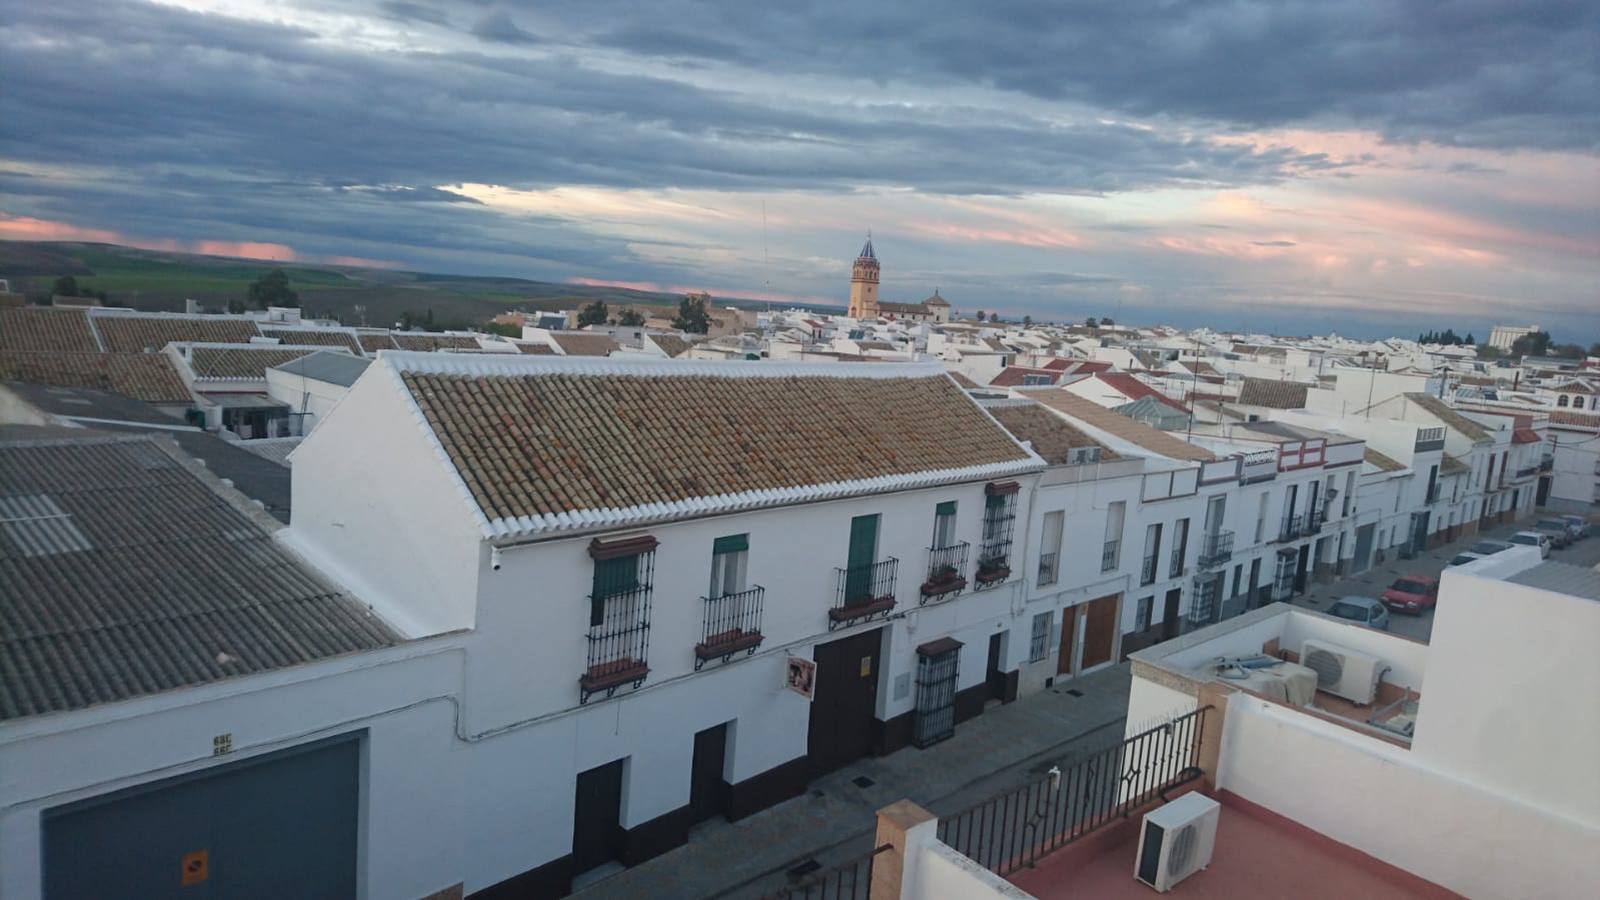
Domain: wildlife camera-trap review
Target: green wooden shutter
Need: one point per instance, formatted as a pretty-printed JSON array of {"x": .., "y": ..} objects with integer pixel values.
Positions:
[
  {"x": 733, "y": 543},
  {"x": 947, "y": 508}
]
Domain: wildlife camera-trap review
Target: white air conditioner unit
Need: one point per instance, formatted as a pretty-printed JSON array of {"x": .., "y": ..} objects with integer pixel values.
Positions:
[
  {"x": 1175, "y": 841},
  {"x": 1342, "y": 672}
]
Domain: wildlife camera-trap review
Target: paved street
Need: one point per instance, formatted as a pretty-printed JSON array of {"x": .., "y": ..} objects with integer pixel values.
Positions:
[
  {"x": 1372, "y": 582},
  {"x": 835, "y": 820}
]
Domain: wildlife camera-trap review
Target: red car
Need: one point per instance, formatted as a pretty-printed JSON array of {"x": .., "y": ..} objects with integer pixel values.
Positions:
[{"x": 1412, "y": 594}]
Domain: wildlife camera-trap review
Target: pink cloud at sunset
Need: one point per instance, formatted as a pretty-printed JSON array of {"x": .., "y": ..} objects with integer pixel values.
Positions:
[{"x": 25, "y": 228}]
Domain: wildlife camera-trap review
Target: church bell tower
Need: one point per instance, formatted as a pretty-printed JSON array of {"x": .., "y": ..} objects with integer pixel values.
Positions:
[{"x": 864, "y": 284}]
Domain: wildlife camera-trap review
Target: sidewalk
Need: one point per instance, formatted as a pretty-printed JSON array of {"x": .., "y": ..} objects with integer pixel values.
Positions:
[{"x": 835, "y": 820}]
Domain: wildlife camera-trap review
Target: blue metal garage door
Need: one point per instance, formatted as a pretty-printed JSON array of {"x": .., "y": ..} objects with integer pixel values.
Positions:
[{"x": 280, "y": 825}]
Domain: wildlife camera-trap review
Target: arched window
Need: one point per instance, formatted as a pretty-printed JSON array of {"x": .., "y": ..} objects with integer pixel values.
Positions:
[{"x": 1561, "y": 400}]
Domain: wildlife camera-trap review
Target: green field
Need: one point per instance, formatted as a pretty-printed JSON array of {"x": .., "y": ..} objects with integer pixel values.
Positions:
[{"x": 156, "y": 280}]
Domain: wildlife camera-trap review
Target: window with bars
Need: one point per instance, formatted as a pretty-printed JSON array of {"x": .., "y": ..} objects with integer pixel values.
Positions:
[
  {"x": 1050, "y": 548},
  {"x": 1039, "y": 641},
  {"x": 619, "y": 616},
  {"x": 1141, "y": 620},
  {"x": 732, "y": 607},
  {"x": 999, "y": 518},
  {"x": 937, "y": 671}
]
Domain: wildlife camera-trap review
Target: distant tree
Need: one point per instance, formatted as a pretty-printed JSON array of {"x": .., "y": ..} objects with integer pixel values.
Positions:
[
  {"x": 1106, "y": 323},
  {"x": 427, "y": 321},
  {"x": 1594, "y": 349},
  {"x": 504, "y": 329},
  {"x": 630, "y": 316},
  {"x": 1092, "y": 322},
  {"x": 1567, "y": 351},
  {"x": 65, "y": 286},
  {"x": 272, "y": 289},
  {"x": 1488, "y": 351},
  {"x": 408, "y": 320},
  {"x": 1468, "y": 340},
  {"x": 594, "y": 313},
  {"x": 1027, "y": 321},
  {"x": 980, "y": 315},
  {"x": 693, "y": 316},
  {"x": 1536, "y": 343},
  {"x": 235, "y": 305}
]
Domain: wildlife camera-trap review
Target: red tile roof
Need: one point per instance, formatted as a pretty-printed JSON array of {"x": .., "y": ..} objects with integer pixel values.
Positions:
[
  {"x": 138, "y": 334},
  {"x": 1525, "y": 436},
  {"x": 37, "y": 328},
  {"x": 1134, "y": 389},
  {"x": 1013, "y": 376}
]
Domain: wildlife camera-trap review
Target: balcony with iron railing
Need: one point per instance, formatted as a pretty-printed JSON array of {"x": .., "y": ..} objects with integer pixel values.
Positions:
[
  {"x": 1108, "y": 556},
  {"x": 619, "y": 642},
  {"x": 863, "y": 592},
  {"x": 1290, "y": 527},
  {"x": 1314, "y": 521},
  {"x": 1175, "y": 563},
  {"x": 1147, "y": 570},
  {"x": 1049, "y": 568},
  {"x": 1216, "y": 548},
  {"x": 1433, "y": 494},
  {"x": 947, "y": 568},
  {"x": 732, "y": 625},
  {"x": 994, "y": 564}
]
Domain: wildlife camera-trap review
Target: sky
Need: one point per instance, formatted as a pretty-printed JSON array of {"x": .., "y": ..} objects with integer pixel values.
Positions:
[{"x": 1369, "y": 168}]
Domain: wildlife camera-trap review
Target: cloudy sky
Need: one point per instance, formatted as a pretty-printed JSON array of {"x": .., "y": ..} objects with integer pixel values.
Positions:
[{"x": 1370, "y": 167}]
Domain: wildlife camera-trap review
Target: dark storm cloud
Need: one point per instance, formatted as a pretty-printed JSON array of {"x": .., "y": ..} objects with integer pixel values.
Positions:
[{"x": 498, "y": 26}]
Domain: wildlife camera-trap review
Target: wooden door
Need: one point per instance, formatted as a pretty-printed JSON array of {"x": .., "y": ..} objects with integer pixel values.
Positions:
[
  {"x": 845, "y": 704},
  {"x": 1069, "y": 632},
  {"x": 706, "y": 787},
  {"x": 994, "y": 675},
  {"x": 596, "y": 817},
  {"x": 1099, "y": 631}
]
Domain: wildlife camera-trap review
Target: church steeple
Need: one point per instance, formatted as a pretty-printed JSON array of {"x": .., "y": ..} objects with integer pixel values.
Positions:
[{"x": 864, "y": 283}]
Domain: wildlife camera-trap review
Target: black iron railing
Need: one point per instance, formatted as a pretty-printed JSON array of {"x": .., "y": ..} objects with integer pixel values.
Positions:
[
  {"x": 1314, "y": 520},
  {"x": 864, "y": 591},
  {"x": 1049, "y": 568},
  {"x": 1016, "y": 829},
  {"x": 1147, "y": 570},
  {"x": 994, "y": 554},
  {"x": 849, "y": 880},
  {"x": 947, "y": 567},
  {"x": 1216, "y": 548},
  {"x": 1291, "y": 527},
  {"x": 1108, "y": 556},
  {"x": 1175, "y": 565},
  {"x": 732, "y": 625},
  {"x": 619, "y": 642}
]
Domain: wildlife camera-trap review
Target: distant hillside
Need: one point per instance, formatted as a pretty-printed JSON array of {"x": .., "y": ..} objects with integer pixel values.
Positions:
[{"x": 158, "y": 280}]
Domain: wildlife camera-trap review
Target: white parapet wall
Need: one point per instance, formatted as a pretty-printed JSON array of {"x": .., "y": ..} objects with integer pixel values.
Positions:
[
  {"x": 1382, "y": 800},
  {"x": 942, "y": 873}
]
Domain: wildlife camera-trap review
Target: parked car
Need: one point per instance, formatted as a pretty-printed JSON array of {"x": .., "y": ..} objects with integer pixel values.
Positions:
[
  {"x": 1533, "y": 539},
  {"x": 1489, "y": 547},
  {"x": 1461, "y": 559},
  {"x": 1361, "y": 610},
  {"x": 1560, "y": 532},
  {"x": 1412, "y": 594},
  {"x": 1580, "y": 522},
  {"x": 1552, "y": 522}
]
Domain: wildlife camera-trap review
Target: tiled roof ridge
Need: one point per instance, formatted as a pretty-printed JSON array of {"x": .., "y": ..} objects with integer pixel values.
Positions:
[
  {"x": 515, "y": 365},
  {"x": 399, "y": 363}
]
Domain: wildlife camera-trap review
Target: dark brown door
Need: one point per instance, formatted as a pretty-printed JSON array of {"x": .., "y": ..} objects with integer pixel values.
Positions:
[
  {"x": 1099, "y": 631},
  {"x": 1069, "y": 629},
  {"x": 596, "y": 818},
  {"x": 1169, "y": 618},
  {"x": 706, "y": 787},
  {"x": 993, "y": 674},
  {"x": 846, "y": 701}
]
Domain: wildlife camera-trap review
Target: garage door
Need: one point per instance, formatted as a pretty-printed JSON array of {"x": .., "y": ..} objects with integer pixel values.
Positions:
[{"x": 282, "y": 825}]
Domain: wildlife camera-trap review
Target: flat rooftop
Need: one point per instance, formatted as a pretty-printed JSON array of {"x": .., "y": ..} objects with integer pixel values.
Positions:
[{"x": 1257, "y": 854}]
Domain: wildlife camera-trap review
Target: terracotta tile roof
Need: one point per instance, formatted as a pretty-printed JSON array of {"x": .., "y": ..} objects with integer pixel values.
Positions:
[
  {"x": 143, "y": 376},
  {"x": 671, "y": 344},
  {"x": 1450, "y": 465},
  {"x": 533, "y": 349},
  {"x": 138, "y": 334},
  {"x": 1571, "y": 417},
  {"x": 1013, "y": 376},
  {"x": 1051, "y": 436},
  {"x": 151, "y": 578},
  {"x": 1134, "y": 389},
  {"x": 241, "y": 362},
  {"x": 964, "y": 381},
  {"x": 1442, "y": 411},
  {"x": 1199, "y": 368},
  {"x": 546, "y": 437},
  {"x": 46, "y": 328},
  {"x": 1524, "y": 436},
  {"x": 411, "y": 340},
  {"x": 319, "y": 337},
  {"x": 1274, "y": 394},
  {"x": 373, "y": 341},
  {"x": 1096, "y": 416},
  {"x": 1381, "y": 462},
  {"x": 581, "y": 344}
]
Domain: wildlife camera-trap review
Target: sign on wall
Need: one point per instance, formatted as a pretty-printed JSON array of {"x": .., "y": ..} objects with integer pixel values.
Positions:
[{"x": 800, "y": 676}]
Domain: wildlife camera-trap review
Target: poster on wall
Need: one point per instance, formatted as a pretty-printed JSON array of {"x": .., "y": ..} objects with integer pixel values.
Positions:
[{"x": 800, "y": 676}]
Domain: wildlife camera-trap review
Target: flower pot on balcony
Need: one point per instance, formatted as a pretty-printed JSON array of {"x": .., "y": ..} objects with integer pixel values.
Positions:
[
  {"x": 992, "y": 573},
  {"x": 944, "y": 580}
]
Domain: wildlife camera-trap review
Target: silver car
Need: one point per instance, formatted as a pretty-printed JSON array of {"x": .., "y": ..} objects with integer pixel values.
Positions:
[
  {"x": 1560, "y": 533},
  {"x": 1362, "y": 611},
  {"x": 1579, "y": 523}
]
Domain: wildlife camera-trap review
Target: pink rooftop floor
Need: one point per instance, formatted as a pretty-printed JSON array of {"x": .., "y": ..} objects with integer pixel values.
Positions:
[{"x": 1258, "y": 854}]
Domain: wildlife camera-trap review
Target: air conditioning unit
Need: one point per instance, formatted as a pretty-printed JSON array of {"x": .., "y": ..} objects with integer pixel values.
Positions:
[
  {"x": 1342, "y": 672},
  {"x": 1175, "y": 841}
]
